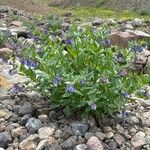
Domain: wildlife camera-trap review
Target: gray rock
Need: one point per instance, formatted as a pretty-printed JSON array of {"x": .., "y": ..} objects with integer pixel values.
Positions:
[
  {"x": 145, "y": 118},
  {"x": 69, "y": 143},
  {"x": 88, "y": 135},
  {"x": 111, "y": 22},
  {"x": 97, "y": 22},
  {"x": 24, "y": 119},
  {"x": 112, "y": 144},
  {"x": 52, "y": 147},
  {"x": 81, "y": 139},
  {"x": 81, "y": 147},
  {"x": 5, "y": 139},
  {"x": 143, "y": 102},
  {"x": 109, "y": 135},
  {"x": 3, "y": 9},
  {"x": 100, "y": 135},
  {"x": 138, "y": 140},
  {"x": 58, "y": 133},
  {"x": 33, "y": 125},
  {"x": 137, "y": 22},
  {"x": 119, "y": 139},
  {"x": 79, "y": 128},
  {"x": 132, "y": 120},
  {"x": 27, "y": 108}
]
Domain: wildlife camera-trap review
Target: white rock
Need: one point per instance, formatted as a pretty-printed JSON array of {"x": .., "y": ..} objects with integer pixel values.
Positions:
[
  {"x": 45, "y": 132},
  {"x": 41, "y": 145}
]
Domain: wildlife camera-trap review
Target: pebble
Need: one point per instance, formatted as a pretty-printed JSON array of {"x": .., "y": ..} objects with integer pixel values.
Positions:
[
  {"x": 5, "y": 139},
  {"x": 69, "y": 143},
  {"x": 33, "y": 125},
  {"x": 94, "y": 144},
  {"x": 79, "y": 128},
  {"x": 45, "y": 132},
  {"x": 27, "y": 108}
]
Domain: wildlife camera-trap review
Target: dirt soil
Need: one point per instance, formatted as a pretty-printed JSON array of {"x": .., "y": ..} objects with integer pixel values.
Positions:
[{"x": 29, "y": 6}]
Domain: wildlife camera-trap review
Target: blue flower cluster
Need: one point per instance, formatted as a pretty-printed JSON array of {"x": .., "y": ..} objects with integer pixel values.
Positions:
[
  {"x": 16, "y": 88},
  {"x": 106, "y": 42},
  {"x": 69, "y": 41},
  {"x": 29, "y": 63},
  {"x": 137, "y": 48}
]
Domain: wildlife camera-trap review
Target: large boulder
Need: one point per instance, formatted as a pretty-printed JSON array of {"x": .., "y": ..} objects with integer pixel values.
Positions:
[{"x": 122, "y": 38}]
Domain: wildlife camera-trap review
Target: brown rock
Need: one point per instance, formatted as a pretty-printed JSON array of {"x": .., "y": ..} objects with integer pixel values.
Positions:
[
  {"x": 122, "y": 38},
  {"x": 2, "y": 113},
  {"x": 30, "y": 143},
  {"x": 4, "y": 83},
  {"x": 18, "y": 132},
  {"x": 138, "y": 140},
  {"x": 119, "y": 139},
  {"x": 142, "y": 62},
  {"x": 27, "y": 145},
  {"x": 94, "y": 144},
  {"x": 16, "y": 23},
  {"x": 2, "y": 126},
  {"x": 5, "y": 51}
]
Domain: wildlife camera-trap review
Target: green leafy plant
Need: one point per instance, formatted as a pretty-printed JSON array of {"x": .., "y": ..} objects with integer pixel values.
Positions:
[
  {"x": 83, "y": 73},
  {"x": 2, "y": 39}
]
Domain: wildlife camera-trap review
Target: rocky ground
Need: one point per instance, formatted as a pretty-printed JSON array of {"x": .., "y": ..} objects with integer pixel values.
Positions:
[{"x": 27, "y": 121}]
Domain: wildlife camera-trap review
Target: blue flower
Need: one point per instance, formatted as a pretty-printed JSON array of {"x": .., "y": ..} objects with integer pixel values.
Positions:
[
  {"x": 4, "y": 60},
  {"x": 16, "y": 88},
  {"x": 83, "y": 82},
  {"x": 69, "y": 41},
  {"x": 106, "y": 42},
  {"x": 32, "y": 36},
  {"x": 29, "y": 63},
  {"x": 23, "y": 61},
  {"x": 32, "y": 64},
  {"x": 92, "y": 105},
  {"x": 123, "y": 73},
  {"x": 144, "y": 92},
  {"x": 137, "y": 48},
  {"x": 126, "y": 95},
  {"x": 120, "y": 58},
  {"x": 70, "y": 88},
  {"x": 57, "y": 80}
]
